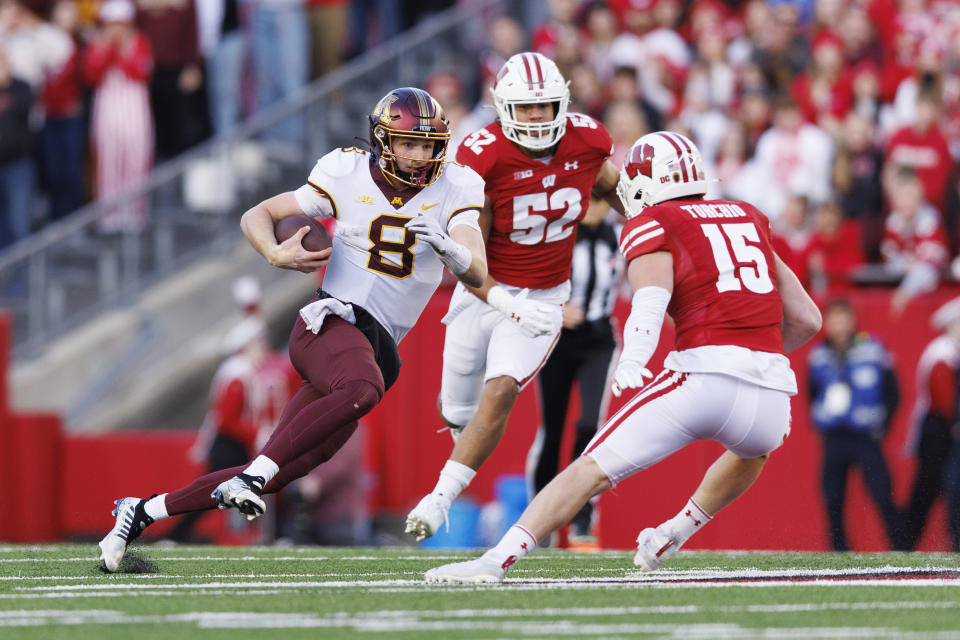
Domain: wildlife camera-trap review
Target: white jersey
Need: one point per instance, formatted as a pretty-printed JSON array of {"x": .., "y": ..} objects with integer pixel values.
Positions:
[{"x": 376, "y": 263}]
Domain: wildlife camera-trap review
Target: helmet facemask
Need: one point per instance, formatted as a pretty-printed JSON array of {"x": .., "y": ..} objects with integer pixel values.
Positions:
[
  {"x": 409, "y": 112},
  {"x": 530, "y": 78},
  {"x": 432, "y": 168}
]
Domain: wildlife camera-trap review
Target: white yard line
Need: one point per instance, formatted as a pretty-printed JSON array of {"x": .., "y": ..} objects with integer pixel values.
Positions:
[{"x": 376, "y": 622}]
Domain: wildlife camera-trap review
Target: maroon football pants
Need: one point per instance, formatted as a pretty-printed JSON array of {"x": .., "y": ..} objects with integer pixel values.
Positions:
[{"x": 341, "y": 384}]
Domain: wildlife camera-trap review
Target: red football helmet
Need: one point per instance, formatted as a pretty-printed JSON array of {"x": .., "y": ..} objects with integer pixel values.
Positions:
[{"x": 412, "y": 113}]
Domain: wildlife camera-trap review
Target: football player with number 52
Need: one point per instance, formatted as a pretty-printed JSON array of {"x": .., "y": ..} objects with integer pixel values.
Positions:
[
  {"x": 403, "y": 214},
  {"x": 540, "y": 164},
  {"x": 737, "y": 310}
]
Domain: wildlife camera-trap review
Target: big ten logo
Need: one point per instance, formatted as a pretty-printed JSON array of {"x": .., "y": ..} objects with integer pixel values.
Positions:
[
  {"x": 364, "y": 199},
  {"x": 523, "y": 175}
]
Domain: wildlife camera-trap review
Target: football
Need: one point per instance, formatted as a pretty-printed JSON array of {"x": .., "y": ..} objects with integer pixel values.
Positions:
[{"x": 316, "y": 239}]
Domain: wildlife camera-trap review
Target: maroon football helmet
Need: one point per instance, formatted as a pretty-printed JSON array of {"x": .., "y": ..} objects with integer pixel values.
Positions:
[{"x": 412, "y": 113}]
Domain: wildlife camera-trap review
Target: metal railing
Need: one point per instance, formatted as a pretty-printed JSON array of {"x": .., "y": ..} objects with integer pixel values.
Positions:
[{"x": 72, "y": 270}]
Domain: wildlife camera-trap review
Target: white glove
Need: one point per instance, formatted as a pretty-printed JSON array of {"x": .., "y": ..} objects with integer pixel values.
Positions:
[
  {"x": 628, "y": 375},
  {"x": 454, "y": 255},
  {"x": 534, "y": 318}
]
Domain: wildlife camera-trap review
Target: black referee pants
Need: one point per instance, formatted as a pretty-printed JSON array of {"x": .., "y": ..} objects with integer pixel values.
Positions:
[{"x": 844, "y": 450}]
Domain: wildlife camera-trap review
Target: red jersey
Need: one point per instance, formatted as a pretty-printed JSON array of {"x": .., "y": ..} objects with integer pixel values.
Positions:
[
  {"x": 536, "y": 205},
  {"x": 724, "y": 270}
]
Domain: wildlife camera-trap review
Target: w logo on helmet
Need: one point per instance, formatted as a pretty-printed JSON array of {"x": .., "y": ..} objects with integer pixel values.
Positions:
[{"x": 640, "y": 161}]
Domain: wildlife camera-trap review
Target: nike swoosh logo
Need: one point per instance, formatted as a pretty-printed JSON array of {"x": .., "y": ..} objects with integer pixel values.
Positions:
[{"x": 424, "y": 207}]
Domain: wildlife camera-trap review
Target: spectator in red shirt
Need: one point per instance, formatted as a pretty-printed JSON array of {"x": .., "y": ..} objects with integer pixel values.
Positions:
[
  {"x": 791, "y": 236},
  {"x": 545, "y": 37},
  {"x": 824, "y": 93},
  {"x": 117, "y": 63},
  {"x": 834, "y": 249},
  {"x": 923, "y": 147},
  {"x": 237, "y": 398},
  {"x": 914, "y": 243}
]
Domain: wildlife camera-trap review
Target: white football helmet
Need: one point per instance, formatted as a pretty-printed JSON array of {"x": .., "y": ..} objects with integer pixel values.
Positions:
[
  {"x": 660, "y": 166},
  {"x": 531, "y": 78}
]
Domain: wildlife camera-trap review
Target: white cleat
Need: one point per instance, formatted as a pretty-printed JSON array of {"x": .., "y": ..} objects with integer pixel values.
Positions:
[
  {"x": 125, "y": 530},
  {"x": 245, "y": 496},
  {"x": 427, "y": 516},
  {"x": 476, "y": 571},
  {"x": 654, "y": 547}
]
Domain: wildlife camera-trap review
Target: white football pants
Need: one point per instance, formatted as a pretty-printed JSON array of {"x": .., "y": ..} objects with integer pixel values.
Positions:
[
  {"x": 676, "y": 408},
  {"x": 482, "y": 344}
]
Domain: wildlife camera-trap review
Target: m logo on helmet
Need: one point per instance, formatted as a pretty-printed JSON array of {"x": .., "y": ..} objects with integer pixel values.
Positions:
[
  {"x": 641, "y": 161},
  {"x": 382, "y": 110}
]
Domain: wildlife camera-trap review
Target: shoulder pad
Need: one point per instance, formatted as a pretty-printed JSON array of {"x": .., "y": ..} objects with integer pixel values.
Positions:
[
  {"x": 342, "y": 162},
  {"x": 461, "y": 175}
]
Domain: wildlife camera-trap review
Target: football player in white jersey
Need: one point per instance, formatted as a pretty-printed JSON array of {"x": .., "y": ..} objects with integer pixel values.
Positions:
[
  {"x": 403, "y": 214},
  {"x": 540, "y": 165}
]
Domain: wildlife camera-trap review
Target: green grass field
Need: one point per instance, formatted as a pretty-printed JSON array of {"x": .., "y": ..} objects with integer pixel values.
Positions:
[{"x": 322, "y": 592}]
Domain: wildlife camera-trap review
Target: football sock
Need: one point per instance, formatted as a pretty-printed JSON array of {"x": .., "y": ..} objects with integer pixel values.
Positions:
[
  {"x": 515, "y": 543},
  {"x": 264, "y": 467},
  {"x": 156, "y": 507},
  {"x": 690, "y": 520},
  {"x": 454, "y": 478}
]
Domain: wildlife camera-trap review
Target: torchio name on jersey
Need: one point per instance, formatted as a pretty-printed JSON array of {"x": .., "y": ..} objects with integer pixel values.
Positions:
[
  {"x": 376, "y": 262},
  {"x": 536, "y": 202},
  {"x": 725, "y": 303}
]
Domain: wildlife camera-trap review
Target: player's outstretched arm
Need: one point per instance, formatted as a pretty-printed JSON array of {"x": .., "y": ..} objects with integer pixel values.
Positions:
[
  {"x": 257, "y": 225},
  {"x": 651, "y": 276},
  {"x": 801, "y": 317},
  {"x": 605, "y": 187},
  {"x": 470, "y": 238}
]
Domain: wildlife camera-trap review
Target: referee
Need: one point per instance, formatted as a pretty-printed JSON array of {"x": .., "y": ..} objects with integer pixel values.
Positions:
[{"x": 583, "y": 354}]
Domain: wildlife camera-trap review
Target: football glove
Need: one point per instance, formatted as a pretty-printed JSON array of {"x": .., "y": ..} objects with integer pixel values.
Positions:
[
  {"x": 629, "y": 375},
  {"x": 533, "y": 318},
  {"x": 454, "y": 255}
]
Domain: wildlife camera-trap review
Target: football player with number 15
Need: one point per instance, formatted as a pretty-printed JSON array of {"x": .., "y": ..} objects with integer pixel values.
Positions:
[
  {"x": 540, "y": 165},
  {"x": 737, "y": 310}
]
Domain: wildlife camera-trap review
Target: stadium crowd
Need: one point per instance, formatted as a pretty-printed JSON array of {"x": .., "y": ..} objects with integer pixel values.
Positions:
[
  {"x": 94, "y": 92},
  {"x": 841, "y": 120}
]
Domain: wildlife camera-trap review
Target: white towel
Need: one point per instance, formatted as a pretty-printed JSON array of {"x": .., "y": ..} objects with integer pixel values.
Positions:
[{"x": 314, "y": 313}]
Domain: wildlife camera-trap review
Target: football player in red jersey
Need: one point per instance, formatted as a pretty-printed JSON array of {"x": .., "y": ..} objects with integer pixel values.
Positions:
[
  {"x": 540, "y": 165},
  {"x": 737, "y": 310}
]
